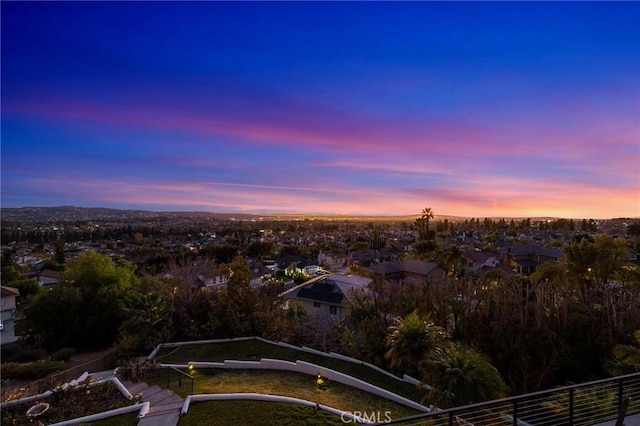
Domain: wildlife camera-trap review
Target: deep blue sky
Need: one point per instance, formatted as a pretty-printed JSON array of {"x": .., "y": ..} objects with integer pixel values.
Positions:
[{"x": 471, "y": 108}]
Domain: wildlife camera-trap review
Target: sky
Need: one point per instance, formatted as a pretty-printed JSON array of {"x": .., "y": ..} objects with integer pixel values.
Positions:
[{"x": 477, "y": 109}]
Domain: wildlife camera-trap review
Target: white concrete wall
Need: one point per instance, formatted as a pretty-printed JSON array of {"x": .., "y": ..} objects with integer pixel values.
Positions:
[
  {"x": 143, "y": 409},
  {"x": 405, "y": 378}
]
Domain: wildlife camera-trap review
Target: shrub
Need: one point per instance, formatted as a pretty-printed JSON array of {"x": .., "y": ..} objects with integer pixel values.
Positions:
[
  {"x": 71, "y": 404},
  {"x": 63, "y": 354},
  {"x": 27, "y": 356},
  {"x": 31, "y": 370}
]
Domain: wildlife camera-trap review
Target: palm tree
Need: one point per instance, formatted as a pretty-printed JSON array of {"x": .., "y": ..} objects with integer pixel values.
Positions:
[
  {"x": 460, "y": 375},
  {"x": 423, "y": 221},
  {"x": 149, "y": 319},
  {"x": 411, "y": 338},
  {"x": 626, "y": 358},
  {"x": 452, "y": 259}
]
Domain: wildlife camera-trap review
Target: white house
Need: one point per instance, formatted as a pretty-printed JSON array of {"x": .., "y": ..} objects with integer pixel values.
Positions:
[{"x": 8, "y": 315}]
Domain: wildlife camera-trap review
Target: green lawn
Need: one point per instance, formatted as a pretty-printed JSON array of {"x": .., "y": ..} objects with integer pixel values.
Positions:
[
  {"x": 295, "y": 385},
  {"x": 254, "y": 350},
  {"x": 255, "y": 413},
  {"x": 127, "y": 419},
  {"x": 274, "y": 382}
]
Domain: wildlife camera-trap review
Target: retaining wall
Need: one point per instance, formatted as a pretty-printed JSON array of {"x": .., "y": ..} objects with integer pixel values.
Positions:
[
  {"x": 333, "y": 355},
  {"x": 310, "y": 369},
  {"x": 143, "y": 409}
]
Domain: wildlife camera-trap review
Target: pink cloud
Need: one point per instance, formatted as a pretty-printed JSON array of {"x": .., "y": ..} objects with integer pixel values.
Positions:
[
  {"x": 496, "y": 199},
  {"x": 321, "y": 128},
  {"x": 564, "y": 168},
  {"x": 332, "y": 130}
]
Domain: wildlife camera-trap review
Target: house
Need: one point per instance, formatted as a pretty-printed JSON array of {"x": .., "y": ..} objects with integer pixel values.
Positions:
[
  {"x": 296, "y": 265},
  {"x": 332, "y": 260},
  {"x": 408, "y": 270},
  {"x": 525, "y": 259},
  {"x": 48, "y": 277},
  {"x": 216, "y": 281},
  {"x": 328, "y": 295},
  {"x": 8, "y": 297},
  {"x": 259, "y": 273},
  {"x": 478, "y": 261},
  {"x": 363, "y": 257}
]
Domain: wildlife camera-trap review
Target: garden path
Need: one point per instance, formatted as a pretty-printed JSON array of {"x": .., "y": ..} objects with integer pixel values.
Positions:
[{"x": 165, "y": 405}]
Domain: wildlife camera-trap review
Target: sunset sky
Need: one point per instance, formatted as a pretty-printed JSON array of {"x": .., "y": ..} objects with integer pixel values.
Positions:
[{"x": 505, "y": 109}]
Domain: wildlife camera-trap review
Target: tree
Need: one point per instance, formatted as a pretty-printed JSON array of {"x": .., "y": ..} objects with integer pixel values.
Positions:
[
  {"x": 591, "y": 264},
  {"x": 460, "y": 375},
  {"x": 59, "y": 255},
  {"x": 27, "y": 287},
  {"x": 260, "y": 249},
  {"x": 452, "y": 259},
  {"x": 11, "y": 277},
  {"x": 323, "y": 332},
  {"x": 96, "y": 289},
  {"x": 10, "y": 269},
  {"x": 233, "y": 309},
  {"x": 221, "y": 253},
  {"x": 279, "y": 320},
  {"x": 365, "y": 318},
  {"x": 92, "y": 272},
  {"x": 626, "y": 358},
  {"x": 423, "y": 223},
  {"x": 239, "y": 284},
  {"x": 191, "y": 308},
  {"x": 411, "y": 338},
  {"x": 634, "y": 229},
  {"x": 53, "y": 315},
  {"x": 149, "y": 320},
  {"x": 424, "y": 249}
]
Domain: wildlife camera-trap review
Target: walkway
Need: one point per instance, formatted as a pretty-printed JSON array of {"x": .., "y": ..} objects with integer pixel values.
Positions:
[{"x": 165, "y": 405}]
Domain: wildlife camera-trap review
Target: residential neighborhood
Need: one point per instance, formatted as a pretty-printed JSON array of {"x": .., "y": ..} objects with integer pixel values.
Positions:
[{"x": 355, "y": 287}]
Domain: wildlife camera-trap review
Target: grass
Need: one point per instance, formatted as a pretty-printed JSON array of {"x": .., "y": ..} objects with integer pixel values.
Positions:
[
  {"x": 256, "y": 413},
  {"x": 295, "y": 385},
  {"x": 127, "y": 419},
  {"x": 254, "y": 350}
]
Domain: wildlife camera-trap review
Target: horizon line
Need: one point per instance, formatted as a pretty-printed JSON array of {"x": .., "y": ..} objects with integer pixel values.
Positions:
[{"x": 342, "y": 215}]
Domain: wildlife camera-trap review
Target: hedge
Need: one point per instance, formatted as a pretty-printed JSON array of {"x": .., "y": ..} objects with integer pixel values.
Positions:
[{"x": 31, "y": 370}]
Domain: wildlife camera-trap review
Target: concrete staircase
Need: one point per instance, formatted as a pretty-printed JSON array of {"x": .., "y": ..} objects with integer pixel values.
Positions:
[{"x": 164, "y": 405}]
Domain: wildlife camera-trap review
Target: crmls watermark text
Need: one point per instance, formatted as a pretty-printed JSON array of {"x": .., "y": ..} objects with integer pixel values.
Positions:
[{"x": 366, "y": 417}]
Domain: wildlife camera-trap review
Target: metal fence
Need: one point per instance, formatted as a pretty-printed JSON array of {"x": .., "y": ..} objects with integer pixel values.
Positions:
[{"x": 584, "y": 404}]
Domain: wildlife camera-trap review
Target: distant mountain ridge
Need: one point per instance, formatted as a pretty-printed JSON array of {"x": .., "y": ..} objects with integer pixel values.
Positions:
[{"x": 75, "y": 213}]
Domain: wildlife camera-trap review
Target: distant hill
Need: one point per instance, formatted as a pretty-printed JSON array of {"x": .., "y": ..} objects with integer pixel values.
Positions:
[{"x": 74, "y": 213}]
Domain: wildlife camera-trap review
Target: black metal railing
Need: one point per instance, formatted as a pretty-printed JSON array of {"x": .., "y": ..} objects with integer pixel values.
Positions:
[
  {"x": 584, "y": 404},
  {"x": 173, "y": 379}
]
